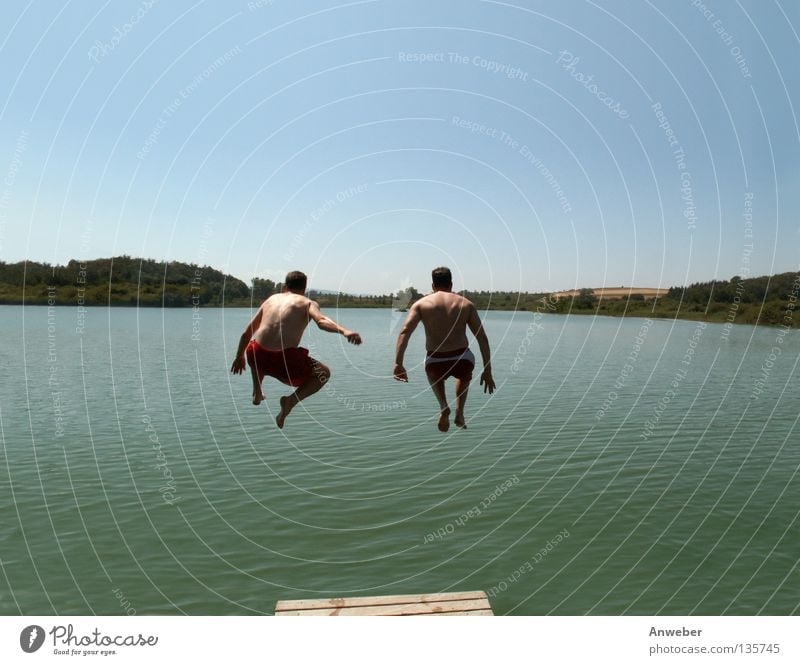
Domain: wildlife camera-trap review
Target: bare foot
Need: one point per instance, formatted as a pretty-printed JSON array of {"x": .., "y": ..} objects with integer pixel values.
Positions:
[
  {"x": 459, "y": 420},
  {"x": 444, "y": 420},
  {"x": 286, "y": 409},
  {"x": 258, "y": 397}
]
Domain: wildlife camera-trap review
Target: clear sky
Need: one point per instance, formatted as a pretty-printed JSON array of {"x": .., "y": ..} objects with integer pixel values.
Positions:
[{"x": 528, "y": 145}]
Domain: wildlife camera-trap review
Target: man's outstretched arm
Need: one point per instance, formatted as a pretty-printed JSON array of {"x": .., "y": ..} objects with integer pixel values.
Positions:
[
  {"x": 329, "y": 325},
  {"x": 239, "y": 362},
  {"x": 476, "y": 327},
  {"x": 409, "y": 325}
]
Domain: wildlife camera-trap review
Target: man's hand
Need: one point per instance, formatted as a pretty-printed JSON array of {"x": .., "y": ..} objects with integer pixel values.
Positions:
[
  {"x": 487, "y": 381},
  {"x": 400, "y": 373},
  {"x": 352, "y": 337},
  {"x": 238, "y": 365}
]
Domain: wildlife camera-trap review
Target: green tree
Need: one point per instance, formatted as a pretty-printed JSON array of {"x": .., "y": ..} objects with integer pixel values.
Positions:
[
  {"x": 586, "y": 299},
  {"x": 262, "y": 289}
]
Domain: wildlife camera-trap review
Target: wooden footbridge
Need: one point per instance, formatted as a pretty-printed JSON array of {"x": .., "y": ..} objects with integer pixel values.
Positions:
[{"x": 462, "y": 603}]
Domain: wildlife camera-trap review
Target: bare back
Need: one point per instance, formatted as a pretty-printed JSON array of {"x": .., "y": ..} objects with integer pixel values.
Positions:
[
  {"x": 284, "y": 318},
  {"x": 445, "y": 316}
]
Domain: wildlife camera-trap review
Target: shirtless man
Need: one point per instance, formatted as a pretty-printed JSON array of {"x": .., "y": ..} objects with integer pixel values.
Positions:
[
  {"x": 445, "y": 316},
  {"x": 271, "y": 344}
]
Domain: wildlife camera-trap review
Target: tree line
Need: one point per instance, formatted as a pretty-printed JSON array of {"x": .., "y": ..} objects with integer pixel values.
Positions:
[
  {"x": 121, "y": 280},
  {"x": 124, "y": 280}
]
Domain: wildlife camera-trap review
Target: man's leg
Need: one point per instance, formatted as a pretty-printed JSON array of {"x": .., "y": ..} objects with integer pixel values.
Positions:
[
  {"x": 437, "y": 385},
  {"x": 319, "y": 377},
  {"x": 462, "y": 388},
  {"x": 258, "y": 394}
]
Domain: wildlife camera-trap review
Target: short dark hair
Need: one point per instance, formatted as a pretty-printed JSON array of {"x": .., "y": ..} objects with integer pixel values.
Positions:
[
  {"x": 296, "y": 281},
  {"x": 442, "y": 277}
]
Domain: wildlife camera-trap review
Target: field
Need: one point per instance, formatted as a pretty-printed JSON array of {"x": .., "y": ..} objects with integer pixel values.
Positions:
[{"x": 615, "y": 292}]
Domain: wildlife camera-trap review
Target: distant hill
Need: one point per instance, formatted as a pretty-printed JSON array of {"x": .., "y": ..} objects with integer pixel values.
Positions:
[
  {"x": 615, "y": 292},
  {"x": 768, "y": 300},
  {"x": 120, "y": 280},
  {"x": 128, "y": 281}
]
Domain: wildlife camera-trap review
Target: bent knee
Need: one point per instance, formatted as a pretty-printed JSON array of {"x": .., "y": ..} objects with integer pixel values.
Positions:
[{"x": 323, "y": 372}]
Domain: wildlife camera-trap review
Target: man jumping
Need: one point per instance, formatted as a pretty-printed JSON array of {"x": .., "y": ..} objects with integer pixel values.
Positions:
[
  {"x": 271, "y": 343},
  {"x": 445, "y": 316}
]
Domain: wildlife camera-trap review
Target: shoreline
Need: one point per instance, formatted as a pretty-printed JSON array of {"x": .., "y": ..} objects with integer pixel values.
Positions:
[{"x": 577, "y": 312}]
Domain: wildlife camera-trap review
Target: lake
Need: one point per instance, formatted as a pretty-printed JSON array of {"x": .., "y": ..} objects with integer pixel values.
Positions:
[{"x": 623, "y": 466}]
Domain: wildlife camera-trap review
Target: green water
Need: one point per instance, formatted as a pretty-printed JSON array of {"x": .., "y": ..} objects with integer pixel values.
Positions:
[{"x": 606, "y": 475}]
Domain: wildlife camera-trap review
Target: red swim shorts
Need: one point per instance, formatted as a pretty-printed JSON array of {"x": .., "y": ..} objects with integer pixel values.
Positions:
[
  {"x": 440, "y": 365},
  {"x": 291, "y": 366}
]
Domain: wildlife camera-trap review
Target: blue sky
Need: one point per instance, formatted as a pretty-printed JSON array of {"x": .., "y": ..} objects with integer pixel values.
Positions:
[{"x": 524, "y": 144}]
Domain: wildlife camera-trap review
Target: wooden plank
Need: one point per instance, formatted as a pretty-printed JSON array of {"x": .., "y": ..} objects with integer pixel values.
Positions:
[
  {"x": 404, "y": 609},
  {"x": 471, "y": 613},
  {"x": 318, "y": 603},
  {"x": 323, "y": 603}
]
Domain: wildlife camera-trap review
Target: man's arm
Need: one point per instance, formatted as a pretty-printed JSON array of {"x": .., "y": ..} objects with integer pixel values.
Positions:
[
  {"x": 409, "y": 325},
  {"x": 329, "y": 325},
  {"x": 239, "y": 362},
  {"x": 475, "y": 325}
]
